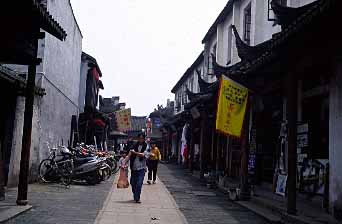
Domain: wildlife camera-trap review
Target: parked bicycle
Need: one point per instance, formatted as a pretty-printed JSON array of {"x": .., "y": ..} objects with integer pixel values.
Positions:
[{"x": 57, "y": 170}]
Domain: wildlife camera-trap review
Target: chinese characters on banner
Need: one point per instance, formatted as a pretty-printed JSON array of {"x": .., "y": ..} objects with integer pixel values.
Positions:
[
  {"x": 252, "y": 152},
  {"x": 231, "y": 107},
  {"x": 123, "y": 120}
]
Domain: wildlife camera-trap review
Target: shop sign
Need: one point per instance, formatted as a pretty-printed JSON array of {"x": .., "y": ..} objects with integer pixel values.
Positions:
[
  {"x": 157, "y": 122},
  {"x": 123, "y": 120}
]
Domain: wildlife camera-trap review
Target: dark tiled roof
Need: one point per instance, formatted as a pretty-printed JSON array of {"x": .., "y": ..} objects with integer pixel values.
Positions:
[
  {"x": 311, "y": 13},
  {"x": 13, "y": 77},
  {"x": 246, "y": 52},
  {"x": 32, "y": 10},
  {"x": 138, "y": 123},
  {"x": 93, "y": 61},
  {"x": 222, "y": 16},
  {"x": 297, "y": 20},
  {"x": 188, "y": 73},
  {"x": 202, "y": 84},
  {"x": 47, "y": 22}
]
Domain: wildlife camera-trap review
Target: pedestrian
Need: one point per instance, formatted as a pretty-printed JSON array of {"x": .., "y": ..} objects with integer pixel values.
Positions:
[
  {"x": 129, "y": 145},
  {"x": 124, "y": 163},
  {"x": 123, "y": 178},
  {"x": 153, "y": 161},
  {"x": 138, "y": 157},
  {"x": 148, "y": 142}
]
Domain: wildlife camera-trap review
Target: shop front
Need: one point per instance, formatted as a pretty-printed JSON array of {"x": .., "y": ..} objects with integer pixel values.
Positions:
[{"x": 290, "y": 130}]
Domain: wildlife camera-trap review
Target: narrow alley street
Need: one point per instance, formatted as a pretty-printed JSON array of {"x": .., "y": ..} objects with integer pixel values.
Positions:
[
  {"x": 239, "y": 102},
  {"x": 177, "y": 198}
]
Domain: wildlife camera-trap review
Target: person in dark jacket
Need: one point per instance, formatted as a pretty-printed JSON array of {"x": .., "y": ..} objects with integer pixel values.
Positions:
[
  {"x": 129, "y": 145},
  {"x": 138, "y": 157}
]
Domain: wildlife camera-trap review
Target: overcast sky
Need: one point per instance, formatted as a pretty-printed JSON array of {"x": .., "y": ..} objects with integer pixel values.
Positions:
[{"x": 143, "y": 47}]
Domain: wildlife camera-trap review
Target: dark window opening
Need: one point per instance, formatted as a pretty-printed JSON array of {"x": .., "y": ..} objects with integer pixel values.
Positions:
[
  {"x": 247, "y": 24},
  {"x": 270, "y": 11},
  {"x": 283, "y": 2}
]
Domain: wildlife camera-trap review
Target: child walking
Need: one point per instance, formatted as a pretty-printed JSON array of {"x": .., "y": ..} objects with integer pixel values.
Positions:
[{"x": 123, "y": 165}]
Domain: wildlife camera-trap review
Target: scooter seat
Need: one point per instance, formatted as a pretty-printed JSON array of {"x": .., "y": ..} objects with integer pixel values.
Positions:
[{"x": 83, "y": 160}]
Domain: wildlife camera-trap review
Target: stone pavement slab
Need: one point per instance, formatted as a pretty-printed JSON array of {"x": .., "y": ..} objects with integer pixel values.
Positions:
[
  {"x": 157, "y": 207},
  {"x": 9, "y": 211},
  {"x": 201, "y": 205},
  {"x": 55, "y": 204}
]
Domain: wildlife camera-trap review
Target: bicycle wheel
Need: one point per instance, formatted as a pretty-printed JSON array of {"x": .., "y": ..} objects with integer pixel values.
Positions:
[
  {"x": 115, "y": 167},
  {"x": 47, "y": 171},
  {"x": 106, "y": 172},
  {"x": 66, "y": 169}
]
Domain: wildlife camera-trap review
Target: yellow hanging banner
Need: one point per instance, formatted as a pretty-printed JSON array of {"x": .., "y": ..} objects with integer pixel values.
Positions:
[{"x": 231, "y": 108}]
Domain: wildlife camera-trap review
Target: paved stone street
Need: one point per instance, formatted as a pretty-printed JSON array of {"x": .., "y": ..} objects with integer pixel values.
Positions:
[
  {"x": 158, "y": 207},
  {"x": 177, "y": 198},
  {"x": 54, "y": 204},
  {"x": 201, "y": 205}
]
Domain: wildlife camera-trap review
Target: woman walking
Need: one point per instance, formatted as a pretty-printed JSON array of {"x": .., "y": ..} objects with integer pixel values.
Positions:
[
  {"x": 138, "y": 157},
  {"x": 153, "y": 161}
]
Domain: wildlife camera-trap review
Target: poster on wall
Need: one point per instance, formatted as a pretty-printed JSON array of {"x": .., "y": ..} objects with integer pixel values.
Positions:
[
  {"x": 312, "y": 176},
  {"x": 123, "y": 120},
  {"x": 281, "y": 185}
]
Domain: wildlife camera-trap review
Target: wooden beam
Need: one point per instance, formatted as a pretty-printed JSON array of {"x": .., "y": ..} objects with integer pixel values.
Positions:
[
  {"x": 203, "y": 143},
  {"x": 27, "y": 132},
  {"x": 245, "y": 188},
  {"x": 192, "y": 147},
  {"x": 292, "y": 92}
]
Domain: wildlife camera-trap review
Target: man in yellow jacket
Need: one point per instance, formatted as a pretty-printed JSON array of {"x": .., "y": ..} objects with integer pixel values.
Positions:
[{"x": 152, "y": 163}]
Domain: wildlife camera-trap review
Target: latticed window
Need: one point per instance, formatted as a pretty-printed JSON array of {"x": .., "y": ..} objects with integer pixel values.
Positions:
[
  {"x": 247, "y": 21},
  {"x": 229, "y": 53},
  {"x": 213, "y": 52},
  {"x": 184, "y": 95},
  {"x": 191, "y": 83},
  {"x": 283, "y": 2}
]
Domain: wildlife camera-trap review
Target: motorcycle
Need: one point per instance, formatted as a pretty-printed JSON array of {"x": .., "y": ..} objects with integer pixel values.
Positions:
[{"x": 90, "y": 167}]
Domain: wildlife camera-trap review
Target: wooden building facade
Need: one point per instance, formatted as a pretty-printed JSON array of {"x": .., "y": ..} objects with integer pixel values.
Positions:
[{"x": 291, "y": 129}]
